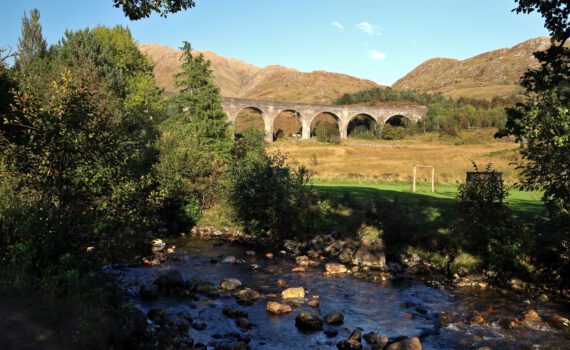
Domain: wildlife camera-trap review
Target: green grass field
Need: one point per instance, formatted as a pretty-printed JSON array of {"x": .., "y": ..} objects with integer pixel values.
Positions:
[{"x": 522, "y": 202}]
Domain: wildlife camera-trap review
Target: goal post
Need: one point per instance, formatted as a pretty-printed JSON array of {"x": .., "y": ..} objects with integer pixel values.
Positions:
[{"x": 415, "y": 172}]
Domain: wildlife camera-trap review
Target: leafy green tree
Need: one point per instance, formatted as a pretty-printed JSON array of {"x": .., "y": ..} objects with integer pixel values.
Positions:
[
  {"x": 138, "y": 9},
  {"x": 542, "y": 124},
  {"x": 31, "y": 44},
  {"x": 200, "y": 104},
  {"x": 112, "y": 52},
  {"x": 195, "y": 145}
]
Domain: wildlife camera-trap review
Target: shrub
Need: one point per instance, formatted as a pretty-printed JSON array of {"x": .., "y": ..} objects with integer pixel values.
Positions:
[
  {"x": 390, "y": 132},
  {"x": 327, "y": 132},
  {"x": 266, "y": 196},
  {"x": 486, "y": 225}
]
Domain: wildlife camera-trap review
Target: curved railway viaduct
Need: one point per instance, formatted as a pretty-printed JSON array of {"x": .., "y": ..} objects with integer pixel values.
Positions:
[{"x": 269, "y": 111}]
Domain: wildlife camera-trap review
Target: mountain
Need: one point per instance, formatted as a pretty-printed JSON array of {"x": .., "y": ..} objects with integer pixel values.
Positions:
[
  {"x": 240, "y": 79},
  {"x": 494, "y": 73}
]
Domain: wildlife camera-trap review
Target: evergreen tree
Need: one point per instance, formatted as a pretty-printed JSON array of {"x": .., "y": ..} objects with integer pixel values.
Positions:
[
  {"x": 31, "y": 44},
  {"x": 199, "y": 102}
]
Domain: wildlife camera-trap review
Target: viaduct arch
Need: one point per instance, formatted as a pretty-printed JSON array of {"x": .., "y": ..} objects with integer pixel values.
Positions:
[{"x": 308, "y": 112}]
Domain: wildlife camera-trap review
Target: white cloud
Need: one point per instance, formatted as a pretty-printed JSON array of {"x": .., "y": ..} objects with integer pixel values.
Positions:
[
  {"x": 369, "y": 28},
  {"x": 377, "y": 55},
  {"x": 337, "y": 25}
]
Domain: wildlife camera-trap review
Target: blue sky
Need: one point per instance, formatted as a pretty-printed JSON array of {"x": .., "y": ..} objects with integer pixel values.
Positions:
[{"x": 380, "y": 40}]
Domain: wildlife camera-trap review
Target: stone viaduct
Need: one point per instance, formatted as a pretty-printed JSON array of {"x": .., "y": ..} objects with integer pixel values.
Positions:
[{"x": 307, "y": 112}]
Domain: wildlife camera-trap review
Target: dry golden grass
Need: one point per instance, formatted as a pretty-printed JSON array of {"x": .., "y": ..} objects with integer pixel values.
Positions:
[{"x": 385, "y": 161}]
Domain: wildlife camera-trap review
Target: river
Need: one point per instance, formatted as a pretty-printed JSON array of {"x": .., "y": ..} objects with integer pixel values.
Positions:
[{"x": 406, "y": 307}]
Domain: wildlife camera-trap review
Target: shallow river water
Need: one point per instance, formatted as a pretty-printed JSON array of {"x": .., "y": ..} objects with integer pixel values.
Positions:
[{"x": 392, "y": 308}]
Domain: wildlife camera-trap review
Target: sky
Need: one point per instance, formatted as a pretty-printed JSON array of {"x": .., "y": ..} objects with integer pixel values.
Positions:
[{"x": 380, "y": 40}]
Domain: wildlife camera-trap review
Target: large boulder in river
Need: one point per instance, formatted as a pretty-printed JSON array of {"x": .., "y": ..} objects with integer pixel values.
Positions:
[
  {"x": 309, "y": 320},
  {"x": 406, "y": 344},
  {"x": 169, "y": 280},
  {"x": 293, "y": 293},
  {"x": 370, "y": 253}
]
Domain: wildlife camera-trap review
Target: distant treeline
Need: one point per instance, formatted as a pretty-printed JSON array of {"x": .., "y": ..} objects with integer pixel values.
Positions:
[{"x": 445, "y": 114}]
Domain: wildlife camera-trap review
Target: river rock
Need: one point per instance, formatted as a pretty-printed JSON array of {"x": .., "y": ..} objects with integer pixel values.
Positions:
[
  {"x": 244, "y": 324},
  {"x": 293, "y": 293},
  {"x": 157, "y": 245},
  {"x": 406, "y": 344},
  {"x": 531, "y": 316},
  {"x": 477, "y": 319},
  {"x": 302, "y": 260},
  {"x": 314, "y": 303},
  {"x": 509, "y": 322},
  {"x": 298, "y": 269},
  {"x": 331, "y": 332},
  {"x": 281, "y": 283},
  {"x": 292, "y": 247},
  {"x": 169, "y": 280},
  {"x": 382, "y": 341},
  {"x": 335, "y": 268},
  {"x": 148, "y": 292},
  {"x": 370, "y": 253},
  {"x": 517, "y": 284},
  {"x": 559, "y": 322},
  {"x": 345, "y": 256},
  {"x": 356, "y": 335},
  {"x": 250, "y": 253},
  {"x": 277, "y": 308},
  {"x": 230, "y": 284},
  {"x": 230, "y": 260},
  {"x": 336, "y": 318},
  {"x": 309, "y": 320},
  {"x": 175, "y": 323},
  {"x": 234, "y": 313},
  {"x": 371, "y": 338},
  {"x": 269, "y": 256},
  {"x": 349, "y": 344},
  {"x": 247, "y": 295}
]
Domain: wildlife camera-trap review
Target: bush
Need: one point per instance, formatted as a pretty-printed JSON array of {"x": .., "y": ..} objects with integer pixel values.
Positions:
[
  {"x": 266, "y": 196},
  {"x": 327, "y": 132},
  {"x": 390, "y": 132},
  {"x": 486, "y": 225}
]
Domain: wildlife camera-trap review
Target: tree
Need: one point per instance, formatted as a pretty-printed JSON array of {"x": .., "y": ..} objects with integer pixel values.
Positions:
[
  {"x": 541, "y": 125},
  {"x": 200, "y": 104},
  {"x": 138, "y": 9},
  {"x": 31, "y": 44}
]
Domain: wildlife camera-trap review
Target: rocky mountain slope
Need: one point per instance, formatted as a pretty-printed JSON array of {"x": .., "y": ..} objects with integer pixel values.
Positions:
[
  {"x": 494, "y": 73},
  {"x": 240, "y": 79}
]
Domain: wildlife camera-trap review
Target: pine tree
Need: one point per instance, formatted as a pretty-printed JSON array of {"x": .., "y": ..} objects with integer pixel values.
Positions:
[
  {"x": 31, "y": 44},
  {"x": 200, "y": 104}
]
